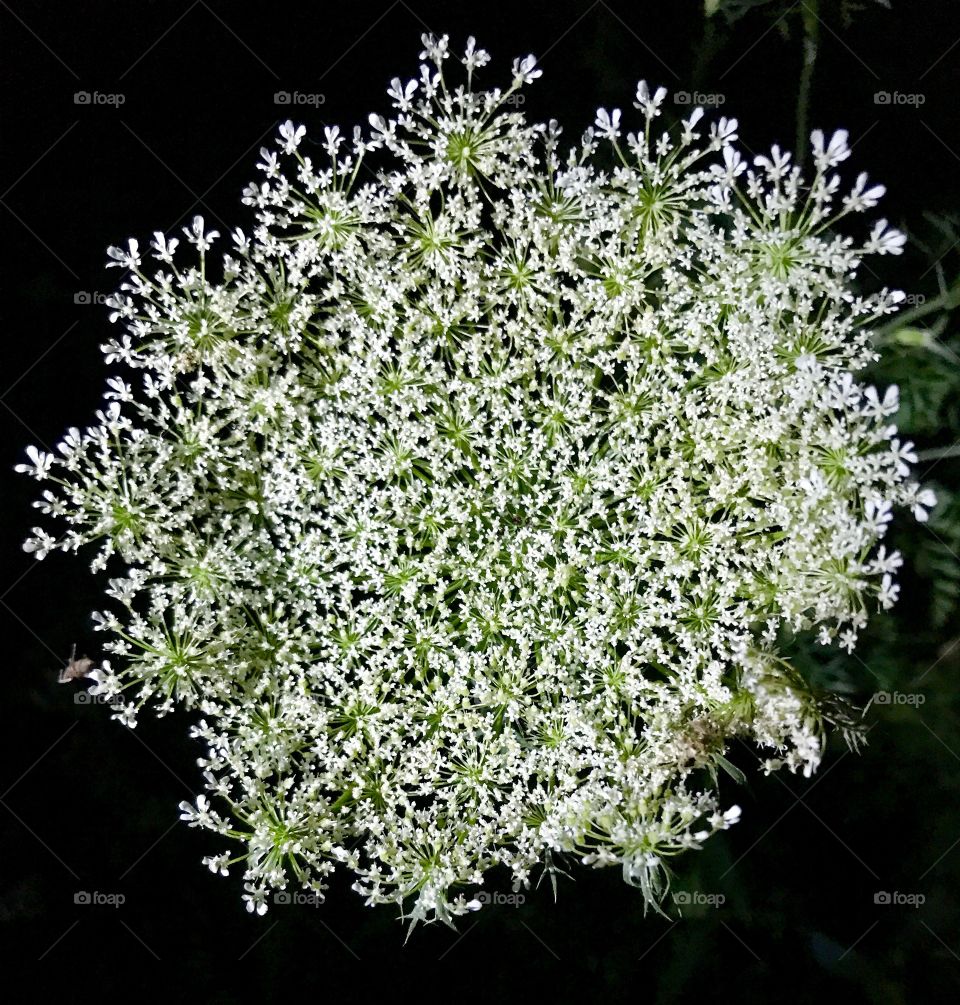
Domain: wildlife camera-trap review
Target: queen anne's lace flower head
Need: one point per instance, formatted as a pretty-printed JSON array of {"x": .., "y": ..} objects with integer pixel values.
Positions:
[{"x": 467, "y": 507}]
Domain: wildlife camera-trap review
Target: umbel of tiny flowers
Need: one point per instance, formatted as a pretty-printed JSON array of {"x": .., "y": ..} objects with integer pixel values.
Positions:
[{"x": 465, "y": 501}]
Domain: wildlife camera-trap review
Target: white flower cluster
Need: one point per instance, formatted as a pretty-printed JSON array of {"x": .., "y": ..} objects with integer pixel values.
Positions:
[{"x": 467, "y": 506}]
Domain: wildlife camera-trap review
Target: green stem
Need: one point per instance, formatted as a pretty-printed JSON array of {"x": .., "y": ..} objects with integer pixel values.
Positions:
[
  {"x": 939, "y": 453},
  {"x": 811, "y": 36},
  {"x": 711, "y": 42},
  {"x": 945, "y": 301}
]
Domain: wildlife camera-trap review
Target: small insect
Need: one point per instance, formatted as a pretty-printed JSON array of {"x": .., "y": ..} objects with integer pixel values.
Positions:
[{"x": 75, "y": 668}]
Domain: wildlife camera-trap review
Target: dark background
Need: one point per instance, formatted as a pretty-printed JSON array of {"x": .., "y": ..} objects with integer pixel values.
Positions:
[{"x": 88, "y": 805}]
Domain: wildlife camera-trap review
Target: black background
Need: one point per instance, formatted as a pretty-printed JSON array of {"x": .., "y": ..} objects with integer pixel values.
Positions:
[{"x": 88, "y": 805}]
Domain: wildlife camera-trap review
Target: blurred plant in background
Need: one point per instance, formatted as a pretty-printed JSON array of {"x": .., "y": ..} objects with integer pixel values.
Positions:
[{"x": 803, "y": 18}]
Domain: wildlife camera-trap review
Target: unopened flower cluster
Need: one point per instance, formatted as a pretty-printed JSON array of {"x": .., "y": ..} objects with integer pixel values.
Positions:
[{"x": 465, "y": 501}]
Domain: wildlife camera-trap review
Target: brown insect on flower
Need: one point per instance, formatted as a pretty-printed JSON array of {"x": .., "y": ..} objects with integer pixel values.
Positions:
[{"x": 75, "y": 668}]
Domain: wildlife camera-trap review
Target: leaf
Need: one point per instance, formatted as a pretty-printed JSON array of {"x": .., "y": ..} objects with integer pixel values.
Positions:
[{"x": 731, "y": 769}]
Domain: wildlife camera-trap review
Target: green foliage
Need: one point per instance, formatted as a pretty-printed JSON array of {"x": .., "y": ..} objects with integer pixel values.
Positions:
[
  {"x": 733, "y": 10},
  {"x": 921, "y": 354},
  {"x": 938, "y": 560}
]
